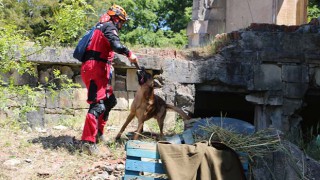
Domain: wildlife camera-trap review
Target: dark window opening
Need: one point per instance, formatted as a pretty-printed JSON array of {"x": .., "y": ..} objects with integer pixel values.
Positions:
[
  {"x": 218, "y": 104},
  {"x": 310, "y": 116}
]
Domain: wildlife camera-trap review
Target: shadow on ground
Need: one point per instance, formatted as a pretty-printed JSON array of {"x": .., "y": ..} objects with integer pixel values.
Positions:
[
  {"x": 51, "y": 142},
  {"x": 145, "y": 135}
]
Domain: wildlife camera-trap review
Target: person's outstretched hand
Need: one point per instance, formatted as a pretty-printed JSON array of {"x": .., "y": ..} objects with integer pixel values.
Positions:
[{"x": 133, "y": 58}]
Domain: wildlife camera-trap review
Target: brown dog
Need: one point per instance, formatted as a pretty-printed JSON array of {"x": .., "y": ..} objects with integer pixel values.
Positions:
[{"x": 147, "y": 105}]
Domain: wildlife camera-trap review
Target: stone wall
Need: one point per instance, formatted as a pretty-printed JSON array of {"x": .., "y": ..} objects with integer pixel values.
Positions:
[{"x": 63, "y": 105}]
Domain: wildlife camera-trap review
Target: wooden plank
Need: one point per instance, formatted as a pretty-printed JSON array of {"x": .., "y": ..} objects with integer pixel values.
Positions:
[
  {"x": 128, "y": 172},
  {"x": 135, "y": 144},
  {"x": 132, "y": 173},
  {"x": 143, "y": 153},
  {"x": 143, "y": 166},
  {"x": 131, "y": 177}
]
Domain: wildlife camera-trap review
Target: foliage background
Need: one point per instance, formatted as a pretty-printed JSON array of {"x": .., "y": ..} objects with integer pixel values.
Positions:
[{"x": 154, "y": 23}]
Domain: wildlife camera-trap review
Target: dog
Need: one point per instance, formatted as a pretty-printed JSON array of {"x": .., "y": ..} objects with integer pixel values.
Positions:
[{"x": 146, "y": 105}]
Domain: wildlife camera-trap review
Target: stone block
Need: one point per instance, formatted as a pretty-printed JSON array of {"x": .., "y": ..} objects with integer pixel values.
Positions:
[
  {"x": 265, "y": 98},
  {"x": 24, "y": 79},
  {"x": 66, "y": 70},
  {"x": 276, "y": 117},
  {"x": 40, "y": 100},
  {"x": 120, "y": 86},
  {"x": 295, "y": 73},
  {"x": 195, "y": 4},
  {"x": 14, "y": 100},
  {"x": 180, "y": 71},
  {"x": 35, "y": 118},
  {"x": 215, "y": 27},
  {"x": 122, "y": 100},
  {"x": 44, "y": 76},
  {"x": 132, "y": 80},
  {"x": 52, "y": 99},
  {"x": 66, "y": 99},
  {"x": 80, "y": 98},
  {"x": 197, "y": 14},
  {"x": 120, "y": 83},
  {"x": 197, "y": 40},
  {"x": 295, "y": 90},
  {"x": 267, "y": 77},
  {"x": 198, "y": 27},
  {"x": 292, "y": 13},
  {"x": 290, "y": 106}
]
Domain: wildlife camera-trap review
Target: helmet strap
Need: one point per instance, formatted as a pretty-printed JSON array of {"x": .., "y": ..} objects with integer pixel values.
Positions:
[{"x": 116, "y": 22}]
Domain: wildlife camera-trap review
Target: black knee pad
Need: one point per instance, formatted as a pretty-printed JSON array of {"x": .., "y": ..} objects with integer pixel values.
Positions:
[
  {"x": 110, "y": 103},
  {"x": 97, "y": 109}
]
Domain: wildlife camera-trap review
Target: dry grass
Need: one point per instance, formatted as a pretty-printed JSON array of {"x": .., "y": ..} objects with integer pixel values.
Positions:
[
  {"x": 50, "y": 154},
  {"x": 258, "y": 144},
  {"x": 212, "y": 48}
]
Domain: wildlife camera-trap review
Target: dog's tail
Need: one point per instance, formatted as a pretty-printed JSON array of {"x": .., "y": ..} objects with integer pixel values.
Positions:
[{"x": 179, "y": 111}]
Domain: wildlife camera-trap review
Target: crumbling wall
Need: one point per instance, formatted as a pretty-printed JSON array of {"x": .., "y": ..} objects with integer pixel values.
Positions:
[{"x": 62, "y": 105}]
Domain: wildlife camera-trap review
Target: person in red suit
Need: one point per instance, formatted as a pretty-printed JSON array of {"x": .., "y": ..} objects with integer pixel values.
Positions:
[{"x": 96, "y": 72}]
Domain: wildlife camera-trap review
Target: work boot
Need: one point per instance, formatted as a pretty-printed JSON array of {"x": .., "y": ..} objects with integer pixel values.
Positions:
[
  {"x": 100, "y": 138},
  {"x": 89, "y": 148}
]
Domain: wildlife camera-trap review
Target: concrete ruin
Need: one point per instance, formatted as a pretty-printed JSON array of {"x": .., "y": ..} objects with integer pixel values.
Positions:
[{"x": 211, "y": 17}]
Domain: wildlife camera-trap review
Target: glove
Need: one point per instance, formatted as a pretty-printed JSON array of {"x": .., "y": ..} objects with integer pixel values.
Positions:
[{"x": 132, "y": 58}]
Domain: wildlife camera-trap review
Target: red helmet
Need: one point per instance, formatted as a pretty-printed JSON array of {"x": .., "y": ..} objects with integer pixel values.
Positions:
[{"x": 117, "y": 10}]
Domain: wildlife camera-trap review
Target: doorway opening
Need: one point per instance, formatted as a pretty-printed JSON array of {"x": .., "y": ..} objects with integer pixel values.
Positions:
[
  {"x": 223, "y": 104},
  {"x": 310, "y": 124}
]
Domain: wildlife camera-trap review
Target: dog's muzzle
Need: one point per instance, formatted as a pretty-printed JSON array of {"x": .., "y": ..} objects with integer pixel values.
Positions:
[{"x": 142, "y": 75}]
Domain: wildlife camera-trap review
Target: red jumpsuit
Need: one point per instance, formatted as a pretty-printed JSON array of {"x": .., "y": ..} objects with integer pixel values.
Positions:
[{"x": 95, "y": 73}]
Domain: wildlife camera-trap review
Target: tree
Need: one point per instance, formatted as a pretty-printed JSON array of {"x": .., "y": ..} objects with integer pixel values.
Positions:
[
  {"x": 156, "y": 23},
  {"x": 65, "y": 21},
  {"x": 69, "y": 20},
  {"x": 175, "y": 14},
  {"x": 313, "y": 9},
  {"x": 15, "y": 47}
]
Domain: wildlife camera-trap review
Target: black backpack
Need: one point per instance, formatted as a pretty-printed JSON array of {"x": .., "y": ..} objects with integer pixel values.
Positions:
[{"x": 83, "y": 44}]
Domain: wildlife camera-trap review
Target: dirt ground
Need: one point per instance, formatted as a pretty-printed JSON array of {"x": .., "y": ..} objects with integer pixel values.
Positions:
[{"x": 55, "y": 153}]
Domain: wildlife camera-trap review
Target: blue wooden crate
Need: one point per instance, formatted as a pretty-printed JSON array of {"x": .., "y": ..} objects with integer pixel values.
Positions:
[{"x": 143, "y": 161}]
